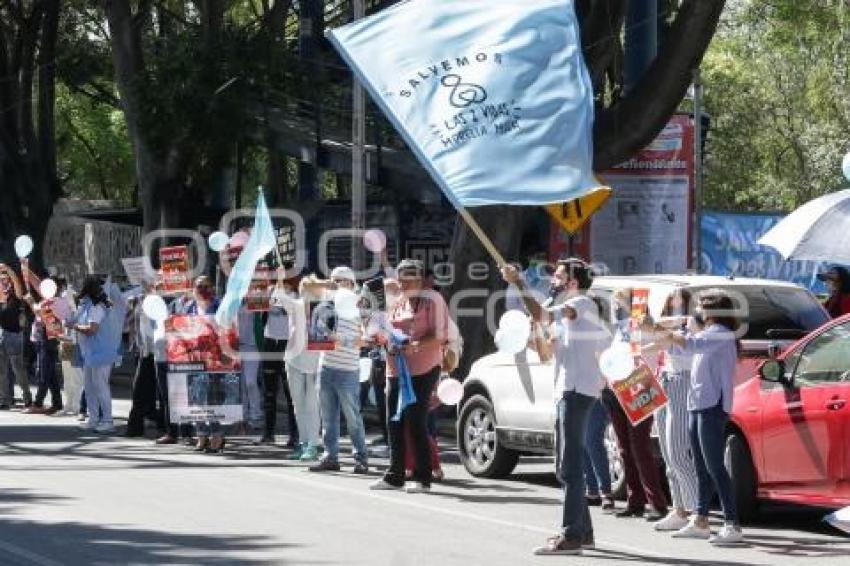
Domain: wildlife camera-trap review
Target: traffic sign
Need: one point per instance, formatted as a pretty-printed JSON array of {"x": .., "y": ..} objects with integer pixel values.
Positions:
[{"x": 573, "y": 214}]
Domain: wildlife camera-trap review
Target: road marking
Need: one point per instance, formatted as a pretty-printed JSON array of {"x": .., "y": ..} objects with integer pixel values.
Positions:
[
  {"x": 365, "y": 493},
  {"x": 27, "y": 555}
]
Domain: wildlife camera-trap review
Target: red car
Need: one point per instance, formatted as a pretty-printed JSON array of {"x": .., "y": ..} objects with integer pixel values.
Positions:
[{"x": 789, "y": 437}]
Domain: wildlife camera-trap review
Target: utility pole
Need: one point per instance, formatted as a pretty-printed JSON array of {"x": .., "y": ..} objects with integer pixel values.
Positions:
[
  {"x": 358, "y": 152},
  {"x": 698, "y": 134}
]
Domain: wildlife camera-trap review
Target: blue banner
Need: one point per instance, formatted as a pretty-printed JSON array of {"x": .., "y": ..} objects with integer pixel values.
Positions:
[
  {"x": 730, "y": 247},
  {"x": 493, "y": 96}
]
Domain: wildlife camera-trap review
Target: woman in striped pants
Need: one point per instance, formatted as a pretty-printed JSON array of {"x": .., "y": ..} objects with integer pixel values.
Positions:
[{"x": 672, "y": 424}]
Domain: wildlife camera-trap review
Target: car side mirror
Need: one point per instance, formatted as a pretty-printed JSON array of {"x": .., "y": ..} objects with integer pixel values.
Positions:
[{"x": 773, "y": 371}]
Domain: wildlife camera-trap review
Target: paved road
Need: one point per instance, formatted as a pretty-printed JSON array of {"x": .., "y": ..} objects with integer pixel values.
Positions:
[{"x": 68, "y": 497}]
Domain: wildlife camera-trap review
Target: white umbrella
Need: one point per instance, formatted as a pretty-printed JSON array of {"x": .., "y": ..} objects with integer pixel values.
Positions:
[{"x": 817, "y": 231}]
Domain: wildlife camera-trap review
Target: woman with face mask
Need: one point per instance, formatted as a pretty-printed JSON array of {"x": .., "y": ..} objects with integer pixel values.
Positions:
[
  {"x": 98, "y": 354},
  {"x": 714, "y": 351},
  {"x": 11, "y": 338},
  {"x": 672, "y": 419},
  {"x": 837, "y": 279}
]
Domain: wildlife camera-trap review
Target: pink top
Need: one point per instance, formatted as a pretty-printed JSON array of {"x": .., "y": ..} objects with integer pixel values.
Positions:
[{"x": 430, "y": 319}]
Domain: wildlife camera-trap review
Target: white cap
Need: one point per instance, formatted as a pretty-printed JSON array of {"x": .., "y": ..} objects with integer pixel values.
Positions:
[{"x": 343, "y": 272}]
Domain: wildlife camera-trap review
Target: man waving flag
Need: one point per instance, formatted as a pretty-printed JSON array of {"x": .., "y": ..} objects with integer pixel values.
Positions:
[{"x": 493, "y": 96}]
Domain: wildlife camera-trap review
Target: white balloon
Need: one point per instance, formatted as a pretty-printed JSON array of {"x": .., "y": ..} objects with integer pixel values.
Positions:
[
  {"x": 514, "y": 331},
  {"x": 514, "y": 319},
  {"x": 23, "y": 246},
  {"x": 218, "y": 241},
  {"x": 845, "y": 166},
  {"x": 450, "y": 391},
  {"x": 155, "y": 308},
  {"x": 345, "y": 304},
  {"x": 47, "y": 288},
  {"x": 617, "y": 363},
  {"x": 365, "y": 369},
  {"x": 375, "y": 240}
]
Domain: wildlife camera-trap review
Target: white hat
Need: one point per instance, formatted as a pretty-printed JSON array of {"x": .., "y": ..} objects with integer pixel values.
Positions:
[{"x": 343, "y": 272}]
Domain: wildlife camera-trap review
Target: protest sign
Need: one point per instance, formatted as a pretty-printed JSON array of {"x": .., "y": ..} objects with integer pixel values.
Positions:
[
  {"x": 321, "y": 325},
  {"x": 203, "y": 372},
  {"x": 258, "y": 296},
  {"x": 174, "y": 262},
  {"x": 52, "y": 324},
  {"x": 134, "y": 267},
  {"x": 640, "y": 394}
]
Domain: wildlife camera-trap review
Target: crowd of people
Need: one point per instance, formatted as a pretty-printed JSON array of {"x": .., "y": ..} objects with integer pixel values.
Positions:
[
  {"x": 318, "y": 386},
  {"x": 414, "y": 343}
]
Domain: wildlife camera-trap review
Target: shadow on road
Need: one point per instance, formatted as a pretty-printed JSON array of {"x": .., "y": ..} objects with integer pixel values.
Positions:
[{"x": 32, "y": 542}]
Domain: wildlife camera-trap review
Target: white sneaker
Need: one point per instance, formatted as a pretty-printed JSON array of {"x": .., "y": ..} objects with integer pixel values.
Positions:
[
  {"x": 672, "y": 522},
  {"x": 104, "y": 429},
  {"x": 86, "y": 427},
  {"x": 384, "y": 485},
  {"x": 692, "y": 530},
  {"x": 729, "y": 534},
  {"x": 416, "y": 487}
]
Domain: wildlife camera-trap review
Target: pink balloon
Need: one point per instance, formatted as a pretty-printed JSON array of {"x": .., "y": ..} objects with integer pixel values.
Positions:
[
  {"x": 450, "y": 391},
  {"x": 239, "y": 239},
  {"x": 375, "y": 240}
]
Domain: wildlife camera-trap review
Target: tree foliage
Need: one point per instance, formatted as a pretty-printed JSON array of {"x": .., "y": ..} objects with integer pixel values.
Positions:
[{"x": 778, "y": 91}]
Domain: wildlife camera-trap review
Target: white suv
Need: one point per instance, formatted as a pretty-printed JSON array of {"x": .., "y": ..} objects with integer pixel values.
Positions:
[{"x": 508, "y": 405}]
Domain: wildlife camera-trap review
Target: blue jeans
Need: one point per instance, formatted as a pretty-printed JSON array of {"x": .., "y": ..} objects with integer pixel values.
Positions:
[
  {"x": 573, "y": 413},
  {"x": 707, "y": 428},
  {"x": 597, "y": 474},
  {"x": 340, "y": 389}
]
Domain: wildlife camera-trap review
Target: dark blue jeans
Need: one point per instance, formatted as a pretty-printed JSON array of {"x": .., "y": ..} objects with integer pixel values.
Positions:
[
  {"x": 571, "y": 432},
  {"x": 597, "y": 474},
  {"x": 707, "y": 428}
]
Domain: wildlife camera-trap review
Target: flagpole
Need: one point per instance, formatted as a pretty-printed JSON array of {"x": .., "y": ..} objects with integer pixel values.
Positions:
[{"x": 482, "y": 237}]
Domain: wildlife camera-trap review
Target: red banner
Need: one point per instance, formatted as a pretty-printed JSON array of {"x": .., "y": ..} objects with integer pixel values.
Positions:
[
  {"x": 174, "y": 262},
  {"x": 640, "y": 394},
  {"x": 257, "y": 299},
  {"x": 199, "y": 340}
]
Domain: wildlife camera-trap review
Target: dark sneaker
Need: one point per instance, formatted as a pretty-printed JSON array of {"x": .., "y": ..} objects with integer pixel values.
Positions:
[
  {"x": 34, "y": 410},
  {"x": 52, "y": 411},
  {"x": 608, "y": 503},
  {"x": 629, "y": 513},
  {"x": 5, "y": 407},
  {"x": 593, "y": 500},
  {"x": 588, "y": 542},
  {"x": 559, "y": 545},
  {"x": 325, "y": 465},
  {"x": 654, "y": 516},
  {"x": 360, "y": 468}
]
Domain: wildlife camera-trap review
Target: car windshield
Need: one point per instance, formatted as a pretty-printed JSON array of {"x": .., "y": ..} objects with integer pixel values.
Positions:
[{"x": 777, "y": 308}]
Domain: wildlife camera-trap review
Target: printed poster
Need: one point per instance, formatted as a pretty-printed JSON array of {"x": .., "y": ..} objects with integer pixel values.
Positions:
[
  {"x": 640, "y": 394},
  {"x": 174, "y": 262},
  {"x": 52, "y": 324},
  {"x": 259, "y": 292},
  {"x": 203, "y": 374},
  {"x": 321, "y": 325},
  {"x": 645, "y": 227}
]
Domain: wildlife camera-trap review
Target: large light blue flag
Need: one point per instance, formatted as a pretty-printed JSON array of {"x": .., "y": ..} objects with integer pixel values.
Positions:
[
  {"x": 493, "y": 96},
  {"x": 261, "y": 242}
]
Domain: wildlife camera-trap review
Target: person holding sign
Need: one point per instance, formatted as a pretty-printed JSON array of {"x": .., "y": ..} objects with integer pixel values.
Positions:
[
  {"x": 672, "y": 419},
  {"x": 578, "y": 339},
  {"x": 643, "y": 482},
  {"x": 715, "y": 355},
  {"x": 46, "y": 330},
  {"x": 11, "y": 338}
]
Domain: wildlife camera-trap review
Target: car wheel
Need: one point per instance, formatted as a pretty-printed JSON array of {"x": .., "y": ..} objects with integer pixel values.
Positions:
[
  {"x": 739, "y": 464},
  {"x": 615, "y": 464},
  {"x": 479, "y": 447}
]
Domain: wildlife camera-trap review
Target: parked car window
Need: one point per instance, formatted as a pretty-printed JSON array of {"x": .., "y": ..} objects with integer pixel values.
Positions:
[
  {"x": 780, "y": 309},
  {"x": 826, "y": 359}
]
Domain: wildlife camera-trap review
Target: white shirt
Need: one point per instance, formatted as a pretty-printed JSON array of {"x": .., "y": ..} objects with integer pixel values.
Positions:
[
  {"x": 277, "y": 323},
  {"x": 296, "y": 355},
  {"x": 579, "y": 341}
]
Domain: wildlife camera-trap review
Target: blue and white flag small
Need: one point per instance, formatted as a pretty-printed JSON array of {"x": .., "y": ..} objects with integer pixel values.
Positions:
[
  {"x": 261, "y": 242},
  {"x": 493, "y": 96}
]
